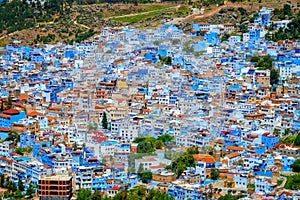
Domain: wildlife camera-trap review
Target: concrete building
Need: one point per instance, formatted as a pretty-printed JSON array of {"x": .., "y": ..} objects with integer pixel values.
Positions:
[{"x": 55, "y": 187}]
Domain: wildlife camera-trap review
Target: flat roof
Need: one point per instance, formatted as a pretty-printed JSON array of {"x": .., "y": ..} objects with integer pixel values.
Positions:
[{"x": 56, "y": 178}]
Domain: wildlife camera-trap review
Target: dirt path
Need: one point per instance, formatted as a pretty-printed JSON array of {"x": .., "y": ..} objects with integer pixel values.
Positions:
[
  {"x": 46, "y": 23},
  {"x": 82, "y": 25},
  {"x": 282, "y": 184},
  {"x": 227, "y": 5},
  {"x": 8, "y": 35},
  {"x": 212, "y": 12}
]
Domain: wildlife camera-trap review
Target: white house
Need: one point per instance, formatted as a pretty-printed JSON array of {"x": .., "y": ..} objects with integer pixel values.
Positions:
[{"x": 240, "y": 181}]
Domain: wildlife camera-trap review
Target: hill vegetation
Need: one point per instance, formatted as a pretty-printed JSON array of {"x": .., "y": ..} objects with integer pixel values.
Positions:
[
  {"x": 265, "y": 63},
  {"x": 137, "y": 193},
  {"x": 293, "y": 182},
  {"x": 292, "y": 31},
  {"x": 18, "y": 15},
  {"x": 76, "y": 20}
]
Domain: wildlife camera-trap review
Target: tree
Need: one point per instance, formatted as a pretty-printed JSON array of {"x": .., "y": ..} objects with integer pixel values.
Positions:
[
  {"x": 96, "y": 195},
  {"x": 165, "y": 138},
  {"x": 20, "y": 185},
  {"x": 139, "y": 193},
  {"x": 104, "y": 121},
  {"x": 243, "y": 28},
  {"x": 7, "y": 194},
  {"x": 251, "y": 187},
  {"x": 297, "y": 140},
  {"x": 158, "y": 144},
  {"x": 121, "y": 195},
  {"x": 168, "y": 167},
  {"x": 288, "y": 140},
  {"x": 18, "y": 194},
  {"x": 180, "y": 168},
  {"x": 214, "y": 174},
  {"x": 75, "y": 146},
  {"x": 30, "y": 190},
  {"x": 228, "y": 197},
  {"x": 13, "y": 136},
  {"x": 274, "y": 76},
  {"x": 19, "y": 151},
  {"x": 9, "y": 102},
  {"x": 84, "y": 194},
  {"x": 92, "y": 126},
  {"x": 185, "y": 160},
  {"x": 168, "y": 60},
  {"x": 265, "y": 63},
  {"x": 254, "y": 59},
  {"x": 225, "y": 37},
  {"x": 293, "y": 182},
  {"x": 165, "y": 60},
  {"x": 286, "y": 132},
  {"x": 1, "y": 180},
  {"x": 292, "y": 30},
  {"x": 13, "y": 187},
  {"x": 276, "y": 131},
  {"x": 287, "y": 10},
  {"x": 193, "y": 150},
  {"x": 145, "y": 147},
  {"x": 296, "y": 166},
  {"x": 145, "y": 176},
  {"x": 7, "y": 182}
]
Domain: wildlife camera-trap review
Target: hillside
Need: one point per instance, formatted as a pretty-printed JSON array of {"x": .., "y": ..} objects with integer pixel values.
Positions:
[{"x": 68, "y": 21}]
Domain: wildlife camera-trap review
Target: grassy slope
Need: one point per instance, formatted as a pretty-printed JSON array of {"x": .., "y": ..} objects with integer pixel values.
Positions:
[
  {"x": 99, "y": 15},
  {"x": 142, "y": 16}
]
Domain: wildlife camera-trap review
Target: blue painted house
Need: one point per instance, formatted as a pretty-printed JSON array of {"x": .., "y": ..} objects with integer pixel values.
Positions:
[
  {"x": 77, "y": 159},
  {"x": 37, "y": 147},
  {"x": 212, "y": 38},
  {"x": 10, "y": 116},
  {"x": 269, "y": 140},
  {"x": 27, "y": 139},
  {"x": 254, "y": 34},
  {"x": 70, "y": 54},
  {"x": 151, "y": 57},
  {"x": 4, "y": 133},
  {"x": 37, "y": 57},
  {"x": 286, "y": 163},
  {"x": 67, "y": 83},
  {"x": 99, "y": 181}
]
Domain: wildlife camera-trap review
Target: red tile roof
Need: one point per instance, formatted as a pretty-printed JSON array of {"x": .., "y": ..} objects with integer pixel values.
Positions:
[
  {"x": 6, "y": 159},
  {"x": 11, "y": 112},
  {"x": 204, "y": 157},
  {"x": 23, "y": 97},
  {"x": 5, "y": 116},
  {"x": 203, "y": 23},
  {"x": 265, "y": 134},
  {"x": 33, "y": 113},
  {"x": 55, "y": 108},
  {"x": 46, "y": 166},
  {"x": 235, "y": 148},
  {"x": 115, "y": 187},
  {"x": 233, "y": 155},
  {"x": 4, "y": 129},
  {"x": 156, "y": 167}
]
